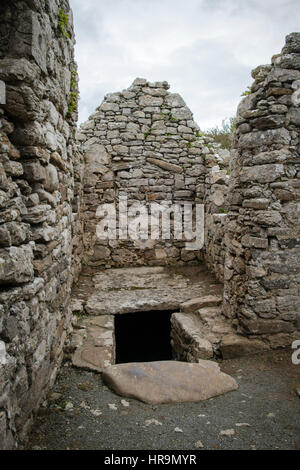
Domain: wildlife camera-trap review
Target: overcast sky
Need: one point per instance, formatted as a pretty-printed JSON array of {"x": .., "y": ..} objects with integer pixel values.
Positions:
[{"x": 205, "y": 49}]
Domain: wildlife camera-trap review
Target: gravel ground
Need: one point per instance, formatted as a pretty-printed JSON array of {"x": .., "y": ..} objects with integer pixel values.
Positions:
[{"x": 82, "y": 413}]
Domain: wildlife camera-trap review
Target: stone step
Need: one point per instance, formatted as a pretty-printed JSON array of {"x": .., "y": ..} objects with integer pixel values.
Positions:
[
  {"x": 233, "y": 345},
  {"x": 198, "y": 334},
  {"x": 199, "y": 329},
  {"x": 94, "y": 343},
  {"x": 188, "y": 338},
  {"x": 215, "y": 321},
  {"x": 209, "y": 315}
]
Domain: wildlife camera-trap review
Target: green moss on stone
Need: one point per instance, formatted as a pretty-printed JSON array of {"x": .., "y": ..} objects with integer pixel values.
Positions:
[
  {"x": 247, "y": 92},
  {"x": 63, "y": 23},
  {"x": 74, "y": 95}
]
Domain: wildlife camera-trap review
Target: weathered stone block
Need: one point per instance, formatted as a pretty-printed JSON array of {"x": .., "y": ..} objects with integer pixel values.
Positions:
[
  {"x": 265, "y": 308},
  {"x": 20, "y": 69},
  {"x": 37, "y": 214},
  {"x": 106, "y": 106},
  {"x": 285, "y": 195},
  {"x": 289, "y": 61},
  {"x": 255, "y": 242},
  {"x": 264, "y": 138},
  {"x": 34, "y": 171},
  {"x": 296, "y": 98},
  {"x": 260, "y": 327},
  {"x": 165, "y": 165},
  {"x": 288, "y": 304},
  {"x": 51, "y": 183},
  {"x": 262, "y": 173},
  {"x": 32, "y": 134},
  {"x": 292, "y": 43},
  {"x": 280, "y": 340},
  {"x": 271, "y": 121},
  {"x": 237, "y": 346},
  {"x": 256, "y": 203},
  {"x": 16, "y": 264},
  {"x": 100, "y": 253},
  {"x": 148, "y": 100},
  {"x": 197, "y": 303},
  {"x": 246, "y": 104},
  {"x": 174, "y": 100},
  {"x": 181, "y": 113},
  {"x": 6, "y": 437},
  {"x": 294, "y": 116},
  {"x": 268, "y": 218}
]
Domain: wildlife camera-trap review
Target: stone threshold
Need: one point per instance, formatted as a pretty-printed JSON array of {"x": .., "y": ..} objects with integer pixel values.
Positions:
[{"x": 199, "y": 330}]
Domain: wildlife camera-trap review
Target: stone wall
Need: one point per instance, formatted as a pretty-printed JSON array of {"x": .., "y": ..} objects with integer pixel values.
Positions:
[
  {"x": 40, "y": 227},
  {"x": 144, "y": 144},
  {"x": 262, "y": 270},
  {"x": 216, "y": 191}
]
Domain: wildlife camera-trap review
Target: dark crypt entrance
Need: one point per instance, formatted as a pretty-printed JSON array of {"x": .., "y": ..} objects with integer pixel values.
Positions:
[{"x": 143, "y": 336}]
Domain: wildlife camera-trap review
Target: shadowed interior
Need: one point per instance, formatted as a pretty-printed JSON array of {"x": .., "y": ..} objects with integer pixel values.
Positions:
[{"x": 143, "y": 336}]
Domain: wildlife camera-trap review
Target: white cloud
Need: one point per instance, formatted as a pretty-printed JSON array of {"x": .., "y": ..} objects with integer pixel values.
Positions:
[{"x": 205, "y": 49}]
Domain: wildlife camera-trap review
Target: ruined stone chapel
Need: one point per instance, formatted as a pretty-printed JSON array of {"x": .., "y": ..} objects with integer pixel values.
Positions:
[{"x": 68, "y": 293}]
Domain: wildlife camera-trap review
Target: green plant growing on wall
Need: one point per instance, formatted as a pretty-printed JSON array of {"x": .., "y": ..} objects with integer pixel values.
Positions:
[
  {"x": 247, "y": 92},
  {"x": 222, "y": 210},
  {"x": 74, "y": 95},
  {"x": 172, "y": 118},
  {"x": 169, "y": 117},
  {"x": 146, "y": 134},
  {"x": 63, "y": 23}
]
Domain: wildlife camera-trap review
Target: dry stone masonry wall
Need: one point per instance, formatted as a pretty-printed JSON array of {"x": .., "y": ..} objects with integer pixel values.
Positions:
[
  {"x": 262, "y": 270},
  {"x": 39, "y": 203},
  {"x": 143, "y": 144},
  {"x": 216, "y": 207}
]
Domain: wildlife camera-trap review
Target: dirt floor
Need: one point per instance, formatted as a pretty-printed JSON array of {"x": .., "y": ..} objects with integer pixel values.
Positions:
[{"x": 264, "y": 413}]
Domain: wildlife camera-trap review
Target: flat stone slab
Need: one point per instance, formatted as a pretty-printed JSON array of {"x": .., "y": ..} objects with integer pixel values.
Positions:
[
  {"x": 195, "y": 304},
  {"x": 94, "y": 343},
  {"x": 168, "y": 381},
  {"x": 233, "y": 345},
  {"x": 140, "y": 289},
  {"x": 112, "y": 303},
  {"x": 199, "y": 329},
  {"x": 93, "y": 358}
]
